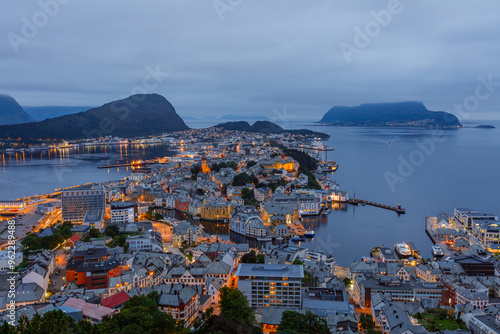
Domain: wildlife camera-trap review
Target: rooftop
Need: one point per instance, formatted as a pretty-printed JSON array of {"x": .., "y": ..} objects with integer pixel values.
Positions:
[{"x": 270, "y": 270}]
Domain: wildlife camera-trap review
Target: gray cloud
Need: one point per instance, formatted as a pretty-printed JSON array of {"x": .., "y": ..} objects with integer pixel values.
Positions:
[{"x": 263, "y": 54}]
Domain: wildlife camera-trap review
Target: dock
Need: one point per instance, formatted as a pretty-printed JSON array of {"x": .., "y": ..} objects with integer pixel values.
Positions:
[
  {"x": 131, "y": 164},
  {"x": 398, "y": 209}
]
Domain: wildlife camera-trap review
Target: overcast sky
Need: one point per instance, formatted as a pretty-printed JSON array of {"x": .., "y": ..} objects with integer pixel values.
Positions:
[{"x": 253, "y": 56}]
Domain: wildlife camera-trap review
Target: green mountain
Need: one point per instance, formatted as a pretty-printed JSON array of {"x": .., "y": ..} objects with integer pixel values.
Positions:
[
  {"x": 413, "y": 114},
  {"x": 135, "y": 116},
  {"x": 267, "y": 127},
  {"x": 11, "y": 112}
]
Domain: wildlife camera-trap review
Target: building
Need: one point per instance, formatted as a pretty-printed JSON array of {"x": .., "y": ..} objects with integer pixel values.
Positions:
[
  {"x": 180, "y": 301},
  {"x": 149, "y": 241},
  {"x": 12, "y": 205},
  {"x": 47, "y": 207},
  {"x": 77, "y": 201},
  {"x": 8, "y": 262},
  {"x": 487, "y": 232},
  {"x": 428, "y": 274},
  {"x": 122, "y": 212},
  {"x": 308, "y": 204},
  {"x": 184, "y": 233},
  {"x": 476, "y": 266},
  {"x": 484, "y": 324},
  {"x": 92, "y": 266},
  {"x": 271, "y": 284},
  {"x": 91, "y": 312},
  {"x": 94, "y": 218},
  {"x": 166, "y": 201},
  {"x": 216, "y": 211},
  {"x": 366, "y": 286},
  {"x": 287, "y": 163},
  {"x": 467, "y": 216},
  {"x": 246, "y": 221},
  {"x": 182, "y": 203},
  {"x": 478, "y": 299}
]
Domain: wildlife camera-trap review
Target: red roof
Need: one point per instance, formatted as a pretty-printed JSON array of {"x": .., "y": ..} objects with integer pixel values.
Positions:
[
  {"x": 74, "y": 238},
  {"x": 115, "y": 300}
]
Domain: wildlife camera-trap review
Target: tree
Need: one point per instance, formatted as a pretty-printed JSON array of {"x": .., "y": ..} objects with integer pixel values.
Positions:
[
  {"x": 158, "y": 216},
  {"x": 308, "y": 323},
  {"x": 234, "y": 307},
  {"x": 94, "y": 233},
  {"x": 347, "y": 282},
  {"x": 148, "y": 215},
  {"x": 251, "y": 163},
  {"x": 112, "y": 230},
  {"x": 247, "y": 195},
  {"x": 297, "y": 261},
  {"x": 366, "y": 321},
  {"x": 242, "y": 179}
]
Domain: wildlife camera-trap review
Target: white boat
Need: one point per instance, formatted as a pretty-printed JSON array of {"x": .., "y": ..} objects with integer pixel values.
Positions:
[
  {"x": 403, "y": 250},
  {"x": 437, "y": 251}
]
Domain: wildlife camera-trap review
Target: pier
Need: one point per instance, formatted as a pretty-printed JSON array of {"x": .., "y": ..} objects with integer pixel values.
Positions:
[
  {"x": 130, "y": 164},
  {"x": 398, "y": 210}
]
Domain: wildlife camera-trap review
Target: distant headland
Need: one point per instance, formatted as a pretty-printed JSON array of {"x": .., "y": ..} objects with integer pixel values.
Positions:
[{"x": 399, "y": 114}]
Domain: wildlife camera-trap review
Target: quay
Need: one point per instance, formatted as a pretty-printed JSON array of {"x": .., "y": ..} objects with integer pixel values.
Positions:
[
  {"x": 398, "y": 210},
  {"x": 141, "y": 164}
]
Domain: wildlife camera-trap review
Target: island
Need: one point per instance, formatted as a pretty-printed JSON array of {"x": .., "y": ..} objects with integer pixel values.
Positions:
[{"x": 399, "y": 114}]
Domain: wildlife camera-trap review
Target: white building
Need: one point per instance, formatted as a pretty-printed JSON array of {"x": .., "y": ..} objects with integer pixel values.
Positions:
[
  {"x": 467, "y": 216},
  {"x": 484, "y": 324},
  {"x": 245, "y": 220},
  {"x": 184, "y": 233},
  {"x": 122, "y": 213},
  {"x": 271, "y": 284},
  {"x": 6, "y": 257},
  {"x": 149, "y": 241},
  {"x": 478, "y": 299},
  {"x": 309, "y": 205}
]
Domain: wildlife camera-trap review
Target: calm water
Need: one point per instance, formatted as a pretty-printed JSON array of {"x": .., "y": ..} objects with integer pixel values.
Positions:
[
  {"x": 461, "y": 171},
  {"x": 37, "y": 173}
]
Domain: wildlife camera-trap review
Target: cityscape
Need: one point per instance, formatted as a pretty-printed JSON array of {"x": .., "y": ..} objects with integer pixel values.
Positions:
[{"x": 154, "y": 212}]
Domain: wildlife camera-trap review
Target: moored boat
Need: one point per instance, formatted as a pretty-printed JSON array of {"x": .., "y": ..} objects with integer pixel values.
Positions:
[
  {"x": 402, "y": 250},
  {"x": 309, "y": 234}
]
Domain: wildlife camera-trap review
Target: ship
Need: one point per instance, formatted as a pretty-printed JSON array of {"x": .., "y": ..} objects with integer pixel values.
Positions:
[
  {"x": 298, "y": 238},
  {"x": 309, "y": 234},
  {"x": 402, "y": 250},
  {"x": 437, "y": 251}
]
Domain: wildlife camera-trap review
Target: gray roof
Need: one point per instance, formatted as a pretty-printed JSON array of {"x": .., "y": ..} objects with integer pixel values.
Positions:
[
  {"x": 270, "y": 270},
  {"x": 177, "y": 296},
  {"x": 183, "y": 228},
  {"x": 28, "y": 292},
  {"x": 218, "y": 267}
]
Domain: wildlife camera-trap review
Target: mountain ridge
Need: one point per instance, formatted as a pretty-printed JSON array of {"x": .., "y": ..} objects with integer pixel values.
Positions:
[
  {"x": 267, "y": 127},
  {"x": 11, "y": 112},
  {"x": 134, "y": 116}
]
